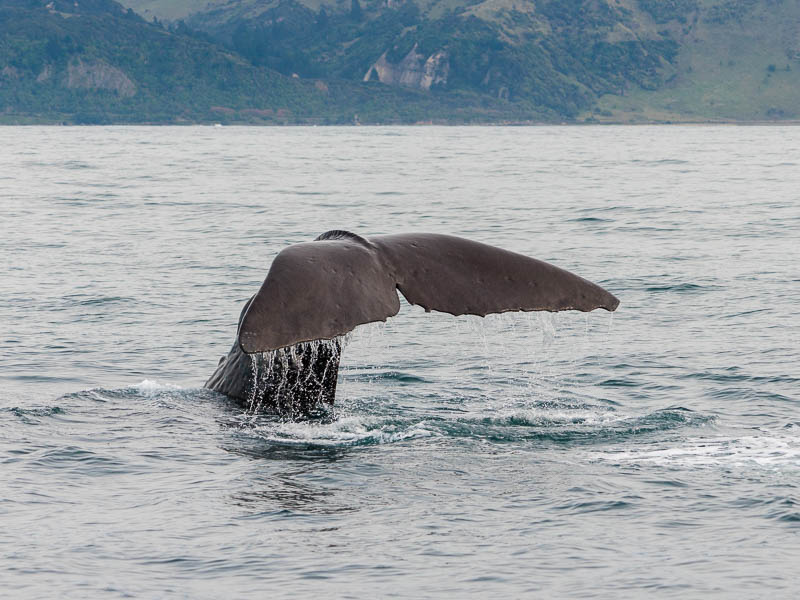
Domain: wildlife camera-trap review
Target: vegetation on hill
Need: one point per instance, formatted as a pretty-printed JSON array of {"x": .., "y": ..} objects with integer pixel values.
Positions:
[
  {"x": 98, "y": 63},
  {"x": 560, "y": 56},
  {"x": 738, "y": 60},
  {"x": 595, "y": 60},
  {"x": 398, "y": 61}
]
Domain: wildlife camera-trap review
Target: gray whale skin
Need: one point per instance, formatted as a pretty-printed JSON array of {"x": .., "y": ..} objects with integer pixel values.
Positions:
[{"x": 287, "y": 349}]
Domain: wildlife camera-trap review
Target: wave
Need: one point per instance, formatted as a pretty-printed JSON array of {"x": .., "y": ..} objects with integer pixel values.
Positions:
[
  {"x": 591, "y": 220},
  {"x": 32, "y": 415},
  {"x": 374, "y": 375},
  {"x": 552, "y": 425},
  {"x": 767, "y": 450},
  {"x": 364, "y": 422},
  {"x": 342, "y": 432},
  {"x": 684, "y": 288}
]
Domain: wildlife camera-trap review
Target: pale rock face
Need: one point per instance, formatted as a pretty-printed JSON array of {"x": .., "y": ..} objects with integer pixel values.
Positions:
[
  {"x": 414, "y": 71},
  {"x": 99, "y": 75},
  {"x": 435, "y": 70},
  {"x": 9, "y": 72},
  {"x": 46, "y": 73},
  {"x": 621, "y": 33}
]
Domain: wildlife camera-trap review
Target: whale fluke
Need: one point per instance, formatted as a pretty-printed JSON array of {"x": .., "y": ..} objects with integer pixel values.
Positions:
[
  {"x": 325, "y": 288},
  {"x": 287, "y": 350}
]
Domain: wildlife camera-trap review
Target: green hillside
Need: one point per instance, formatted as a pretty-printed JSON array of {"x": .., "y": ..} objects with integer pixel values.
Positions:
[
  {"x": 399, "y": 61},
  {"x": 99, "y": 63},
  {"x": 559, "y": 55},
  {"x": 605, "y": 60},
  {"x": 737, "y": 61}
]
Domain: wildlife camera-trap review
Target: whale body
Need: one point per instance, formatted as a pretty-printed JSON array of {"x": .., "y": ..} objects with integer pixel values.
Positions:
[{"x": 287, "y": 348}]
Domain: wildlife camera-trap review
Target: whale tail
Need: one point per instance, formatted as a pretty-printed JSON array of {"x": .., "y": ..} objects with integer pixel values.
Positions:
[
  {"x": 286, "y": 355},
  {"x": 325, "y": 288}
]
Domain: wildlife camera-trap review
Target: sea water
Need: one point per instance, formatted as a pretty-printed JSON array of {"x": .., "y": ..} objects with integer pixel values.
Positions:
[{"x": 652, "y": 453}]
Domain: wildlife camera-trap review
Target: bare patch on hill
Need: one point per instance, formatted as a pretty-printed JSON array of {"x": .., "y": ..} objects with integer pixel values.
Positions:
[{"x": 99, "y": 75}]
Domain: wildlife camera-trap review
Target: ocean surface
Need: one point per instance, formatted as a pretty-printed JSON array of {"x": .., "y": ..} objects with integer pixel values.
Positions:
[{"x": 649, "y": 453}]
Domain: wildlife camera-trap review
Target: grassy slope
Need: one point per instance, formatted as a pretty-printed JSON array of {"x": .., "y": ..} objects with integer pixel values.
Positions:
[
  {"x": 723, "y": 72},
  {"x": 174, "y": 10}
]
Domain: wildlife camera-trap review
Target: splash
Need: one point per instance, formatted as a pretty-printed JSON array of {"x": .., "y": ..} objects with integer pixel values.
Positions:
[
  {"x": 295, "y": 381},
  {"x": 343, "y": 432}
]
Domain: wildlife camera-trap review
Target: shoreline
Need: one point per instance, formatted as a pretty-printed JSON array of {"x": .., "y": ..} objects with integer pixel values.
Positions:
[{"x": 765, "y": 123}]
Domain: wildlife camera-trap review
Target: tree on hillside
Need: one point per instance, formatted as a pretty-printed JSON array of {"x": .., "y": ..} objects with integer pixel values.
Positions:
[{"x": 356, "y": 13}]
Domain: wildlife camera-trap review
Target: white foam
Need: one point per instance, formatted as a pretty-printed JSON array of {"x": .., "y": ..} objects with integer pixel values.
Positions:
[
  {"x": 149, "y": 387},
  {"x": 344, "y": 431},
  {"x": 776, "y": 450},
  {"x": 544, "y": 416}
]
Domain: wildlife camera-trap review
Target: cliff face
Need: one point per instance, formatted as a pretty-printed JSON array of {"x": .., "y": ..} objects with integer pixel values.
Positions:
[
  {"x": 80, "y": 73},
  {"x": 413, "y": 71},
  {"x": 96, "y": 75}
]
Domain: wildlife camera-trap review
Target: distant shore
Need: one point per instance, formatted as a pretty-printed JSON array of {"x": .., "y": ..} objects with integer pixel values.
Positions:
[{"x": 5, "y": 121}]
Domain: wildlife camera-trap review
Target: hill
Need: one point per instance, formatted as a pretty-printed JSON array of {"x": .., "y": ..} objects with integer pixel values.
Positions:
[
  {"x": 96, "y": 62},
  {"x": 737, "y": 61},
  {"x": 560, "y": 55},
  {"x": 399, "y": 61},
  {"x": 606, "y": 60}
]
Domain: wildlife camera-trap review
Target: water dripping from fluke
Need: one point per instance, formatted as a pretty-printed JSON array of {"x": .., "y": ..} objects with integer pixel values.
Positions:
[{"x": 296, "y": 382}]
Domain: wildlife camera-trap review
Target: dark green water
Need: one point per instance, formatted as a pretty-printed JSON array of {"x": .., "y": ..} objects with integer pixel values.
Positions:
[{"x": 652, "y": 454}]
